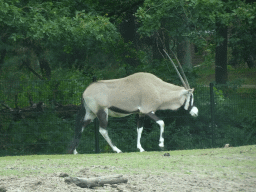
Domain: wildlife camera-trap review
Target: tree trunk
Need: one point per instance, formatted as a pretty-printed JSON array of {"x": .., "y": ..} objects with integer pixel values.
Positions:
[
  {"x": 3, "y": 54},
  {"x": 45, "y": 68},
  {"x": 43, "y": 62},
  {"x": 250, "y": 60},
  {"x": 128, "y": 32},
  {"x": 184, "y": 53},
  {"x": 221, "y": 72},
  {"x": 127, "y": 27}
]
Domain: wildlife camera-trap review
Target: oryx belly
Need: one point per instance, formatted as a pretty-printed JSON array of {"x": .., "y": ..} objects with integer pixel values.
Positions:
[{"x": 117, "y": 112}]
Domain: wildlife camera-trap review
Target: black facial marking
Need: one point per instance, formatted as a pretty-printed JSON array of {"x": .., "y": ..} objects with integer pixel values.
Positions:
[
  {"x": 190, "y": 103},
  {"x": 102, "y": 118},
  {"x": 118, "y": 110}
]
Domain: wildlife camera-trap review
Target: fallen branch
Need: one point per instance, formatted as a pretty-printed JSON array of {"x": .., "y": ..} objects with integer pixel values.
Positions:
[{"x": 96, "y": 181}]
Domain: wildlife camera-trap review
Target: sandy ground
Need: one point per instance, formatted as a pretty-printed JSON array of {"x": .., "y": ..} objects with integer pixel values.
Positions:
[{"x": 136, "y": 182}]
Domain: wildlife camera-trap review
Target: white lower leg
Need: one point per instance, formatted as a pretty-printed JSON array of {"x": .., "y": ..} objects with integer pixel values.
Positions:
[
  {"x": 104, "y": 133},
  {"x": 161, "y": 140},
  {"x": 75, "y": 152},
  {"x": 139, "y": 131}
]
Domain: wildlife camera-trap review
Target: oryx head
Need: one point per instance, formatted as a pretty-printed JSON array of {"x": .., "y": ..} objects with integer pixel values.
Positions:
[{"x": 189, "y": 101}]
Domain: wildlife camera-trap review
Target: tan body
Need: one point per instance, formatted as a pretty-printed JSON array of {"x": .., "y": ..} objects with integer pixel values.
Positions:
[{"x": 141, "y": 93}]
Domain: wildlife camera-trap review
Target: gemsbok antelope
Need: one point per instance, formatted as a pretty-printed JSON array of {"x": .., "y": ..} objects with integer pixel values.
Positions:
[{"x": 141, "y": 93}]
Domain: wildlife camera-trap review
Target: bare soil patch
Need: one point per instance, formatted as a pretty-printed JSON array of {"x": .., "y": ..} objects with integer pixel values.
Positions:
[
  {"x": 177, "y": 172},
  {"x": 138, "y": 182}
]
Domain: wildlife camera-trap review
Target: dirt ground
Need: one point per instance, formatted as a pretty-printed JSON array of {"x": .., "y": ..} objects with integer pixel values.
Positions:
[{"x": 136, "y": 182}]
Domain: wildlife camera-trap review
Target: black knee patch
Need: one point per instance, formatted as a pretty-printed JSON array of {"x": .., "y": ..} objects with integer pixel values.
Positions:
[
  {"x": 140, "y": 121},
  {"x": 102, "y": 118}
]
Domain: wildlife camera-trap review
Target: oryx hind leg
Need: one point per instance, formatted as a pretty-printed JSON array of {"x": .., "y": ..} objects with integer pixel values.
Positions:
[
  {"x": 84, "y": 118},
  {"x": 140, "y": 124},
  {"x": 102, "y": 115},
  {"x": 161, "y": 124}
]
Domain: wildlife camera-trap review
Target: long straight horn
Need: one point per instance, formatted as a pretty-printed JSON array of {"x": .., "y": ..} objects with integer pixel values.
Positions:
[
  {"x": 182, "y": 80},
  {"x": 182, "y": 72}
]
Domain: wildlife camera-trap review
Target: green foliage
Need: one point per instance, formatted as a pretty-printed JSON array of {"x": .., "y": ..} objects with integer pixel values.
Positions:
[
  {"x": 63, "y": 91},
  {"x": 81, "y": 40},
  {"x": 33, "y": 31},
  {"x": 45, "y": 134},
  {"x": 196, "y": 19},
  {"x": 48, "y": 24},
  {"x": 242, "y": 40},
  {"x": 234, "y": 117},
  {"x": 196, "y": 16}
]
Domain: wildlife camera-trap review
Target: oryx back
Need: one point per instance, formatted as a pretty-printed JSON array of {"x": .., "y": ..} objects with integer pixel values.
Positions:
[{"x": 140, "y": 92}]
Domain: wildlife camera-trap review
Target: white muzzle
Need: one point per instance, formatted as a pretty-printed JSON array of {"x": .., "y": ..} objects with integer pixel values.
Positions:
[{"x": 194, "y": 111}]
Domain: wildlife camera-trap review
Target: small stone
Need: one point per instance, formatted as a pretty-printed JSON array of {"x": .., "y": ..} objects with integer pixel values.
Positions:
[
  {"x": 3, "y": 189},
  {"x": 63, "y": 175}
]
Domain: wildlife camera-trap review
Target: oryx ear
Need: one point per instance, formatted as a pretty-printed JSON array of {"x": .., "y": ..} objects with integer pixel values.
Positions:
[
  {"x": 187, "y": 91},
  {"x": 191, "y": 90}
]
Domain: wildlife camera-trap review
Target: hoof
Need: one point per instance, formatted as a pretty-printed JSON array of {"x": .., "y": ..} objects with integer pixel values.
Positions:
[
  {"x": 116, "y": 150},
  {"x": 142, "y": 150},
  {"x": 162, "y": 148},
  {"x": 75, "y": 152}
]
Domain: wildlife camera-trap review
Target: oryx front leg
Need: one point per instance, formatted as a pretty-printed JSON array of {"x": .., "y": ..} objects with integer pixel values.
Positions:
[
  {"x": 140, "y": 123},
  {"x": 161, "y": 124},
  {"x": 139, "y": 131},
  {"x": 161, "y": 140},
  {"x": 104, "y": 133},
  {"x": 103, "y": 121}
]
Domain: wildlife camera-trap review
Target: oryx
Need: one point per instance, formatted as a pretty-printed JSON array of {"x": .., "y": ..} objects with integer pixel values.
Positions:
[{"x": 141, "y": 93}]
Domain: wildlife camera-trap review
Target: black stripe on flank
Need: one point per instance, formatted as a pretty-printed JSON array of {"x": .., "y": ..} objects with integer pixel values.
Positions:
[{"x": 118, "y": 110}]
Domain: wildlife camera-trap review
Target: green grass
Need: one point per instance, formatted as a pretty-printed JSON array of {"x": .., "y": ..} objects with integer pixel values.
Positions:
[{"x": 237, "y": 162}]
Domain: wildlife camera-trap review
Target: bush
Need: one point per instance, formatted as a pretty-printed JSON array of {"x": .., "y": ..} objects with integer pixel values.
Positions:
[{"x": 45, "y": 134}]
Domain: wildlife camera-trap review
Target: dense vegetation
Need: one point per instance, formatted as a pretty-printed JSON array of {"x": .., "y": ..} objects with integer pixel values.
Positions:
[{"x": 51, "y": 50}]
